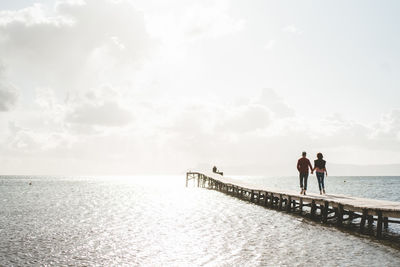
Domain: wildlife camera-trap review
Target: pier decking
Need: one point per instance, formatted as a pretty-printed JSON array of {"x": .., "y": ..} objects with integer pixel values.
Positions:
[{"x": 326, "y": 208}]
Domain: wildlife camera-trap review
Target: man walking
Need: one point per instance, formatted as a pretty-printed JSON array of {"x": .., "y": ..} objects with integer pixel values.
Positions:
[{"x": 302, "y": 166}]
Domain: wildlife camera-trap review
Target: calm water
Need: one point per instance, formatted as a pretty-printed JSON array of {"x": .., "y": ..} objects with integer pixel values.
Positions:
[{"x": 155, "y": 221}]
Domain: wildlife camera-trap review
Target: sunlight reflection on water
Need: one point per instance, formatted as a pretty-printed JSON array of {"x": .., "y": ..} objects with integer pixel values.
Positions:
[{"x": 156, "y": 221}]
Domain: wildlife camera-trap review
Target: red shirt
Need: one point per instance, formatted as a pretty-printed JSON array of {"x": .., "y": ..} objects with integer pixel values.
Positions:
[{"x": 303, "y": 164}]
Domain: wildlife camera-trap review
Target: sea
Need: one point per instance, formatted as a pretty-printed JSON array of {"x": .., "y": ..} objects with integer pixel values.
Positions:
[{"x": 157, "y": 221}]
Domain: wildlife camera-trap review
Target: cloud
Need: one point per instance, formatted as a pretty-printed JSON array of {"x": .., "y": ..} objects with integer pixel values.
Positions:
[
  {"x": 105, "y": 114},
  {"x": 387, "y": 131},
  {"x": 292, "y": 29},
  {"x": 24, "y": 141},
  {"x": 8, "y": 96},
  {"x": 8, "y": 93},
  {"x": 78, "y": 41},
  {"x": 186, "y": 21},
  {"x": 247, "y": 118},
  {"x": 275, "y": 103},
  {"x": 270, "y": 45}
]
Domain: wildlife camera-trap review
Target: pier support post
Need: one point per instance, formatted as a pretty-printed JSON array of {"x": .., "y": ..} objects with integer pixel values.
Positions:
[
  {"x": 379, "y": 225},
  {"x": 385, "y": 222},
  {"x": 258, "y": 197},
  {"x": 198, "y": 180},
  {"x": 313, "y": 208},
  {"x": 187, "y": 176},
  {"x": 280, "y": 201},
  {"x": 351, "y": 216},
  {"x": 252, "y": 196},
  {"x": 363, "y": 218},
  {"x": 301, "y": 205},
  {"x": 265, "y": 198},
  {"x": 271, "y": 200},
  {"x": 288, "y": 204},
  {"x": 325, "y": 212},
  {"x": 370, "y": 220}
]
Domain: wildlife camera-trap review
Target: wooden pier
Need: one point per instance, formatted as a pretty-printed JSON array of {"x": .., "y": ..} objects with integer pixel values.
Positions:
[{"x": 329, "y": 208}]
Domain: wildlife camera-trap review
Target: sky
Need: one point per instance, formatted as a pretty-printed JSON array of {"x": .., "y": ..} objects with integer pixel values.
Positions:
[{"x": 115, "y": 87}]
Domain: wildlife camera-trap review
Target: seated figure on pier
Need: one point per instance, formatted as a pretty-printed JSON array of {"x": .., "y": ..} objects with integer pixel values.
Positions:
[{"x": 215, "y": 170}]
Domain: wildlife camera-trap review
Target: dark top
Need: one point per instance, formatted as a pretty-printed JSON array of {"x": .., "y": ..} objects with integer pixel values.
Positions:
[
  {"x": 319, "y": 163},
  {"x": 303, "y": 164}
]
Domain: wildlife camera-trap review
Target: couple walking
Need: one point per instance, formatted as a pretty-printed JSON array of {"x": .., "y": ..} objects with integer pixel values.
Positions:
[{"x": 319, "y": 167}]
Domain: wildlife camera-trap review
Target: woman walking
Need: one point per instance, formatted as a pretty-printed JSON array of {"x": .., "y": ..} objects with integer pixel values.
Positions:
[{"x": 320, "y": 169}]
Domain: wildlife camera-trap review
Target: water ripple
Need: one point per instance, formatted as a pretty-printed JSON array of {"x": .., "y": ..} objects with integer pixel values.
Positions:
[{"x": 129, "y": 222}]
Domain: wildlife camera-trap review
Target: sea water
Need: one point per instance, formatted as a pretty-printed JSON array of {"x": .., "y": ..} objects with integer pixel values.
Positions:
[{"x": 156, "y": 221}]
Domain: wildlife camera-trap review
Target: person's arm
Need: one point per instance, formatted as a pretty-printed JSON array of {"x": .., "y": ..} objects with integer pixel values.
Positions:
[
  {"x": 298, "y": 165},
  {"x": 326, "y": 171},
  {"x": 311, "y": 168}
]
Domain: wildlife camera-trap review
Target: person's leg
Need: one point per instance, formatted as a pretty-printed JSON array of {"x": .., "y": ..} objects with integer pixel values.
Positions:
[
  {"x": 322, "y": 181},
  {"x": 305, "y": 181},
  {"x": 319, "y": 181},
  {"x": 301, "y": 182}
]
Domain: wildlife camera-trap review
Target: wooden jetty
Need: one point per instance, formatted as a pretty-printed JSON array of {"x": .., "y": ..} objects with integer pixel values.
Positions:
[{"x": 329, "y": 208}]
